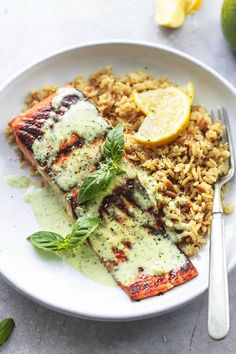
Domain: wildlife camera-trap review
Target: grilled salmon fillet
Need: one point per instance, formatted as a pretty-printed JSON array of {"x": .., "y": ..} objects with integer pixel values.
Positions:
[{"x": 62, "y": 137}]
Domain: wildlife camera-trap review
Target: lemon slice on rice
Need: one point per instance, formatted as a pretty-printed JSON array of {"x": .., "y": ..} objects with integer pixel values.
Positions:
[
  {"x": 168, "y": 114},
  {"x": 192, "y": 6}
]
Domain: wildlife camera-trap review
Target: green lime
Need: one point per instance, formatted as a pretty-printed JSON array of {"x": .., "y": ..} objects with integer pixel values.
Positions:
[{"x": 228, "y": 22}]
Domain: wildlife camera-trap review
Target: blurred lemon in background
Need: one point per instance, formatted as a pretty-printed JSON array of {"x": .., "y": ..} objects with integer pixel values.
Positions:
[
  {"x": 192, "y": 6},
  {"x": 228, "y": 22},
  {"x": 171, "y": 13}
]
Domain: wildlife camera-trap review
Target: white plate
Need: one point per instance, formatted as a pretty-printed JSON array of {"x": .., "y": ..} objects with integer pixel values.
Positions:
[{"x": 50, "y": 282}]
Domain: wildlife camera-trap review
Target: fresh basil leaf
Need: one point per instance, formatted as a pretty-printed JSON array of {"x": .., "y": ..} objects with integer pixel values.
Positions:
[
  {"x": 113, "y": 148},
  {"x": 6, "y": 327},
  {"x": 55, "y": 243},
  {"x": 83, "y": 228},
  {"x": 99, "y": 180},
  {"x": 47, "y": 241},
  {"x": 96, "y": 182}
]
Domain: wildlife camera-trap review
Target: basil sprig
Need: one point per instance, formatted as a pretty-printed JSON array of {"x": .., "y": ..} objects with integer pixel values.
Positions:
[
  {"x": 6, "y": 327},
  {"x": 55, "y": 243},
  {"x": 47, "y": 241},
  {"x": 114, "y": 144},
  {"x": 96, "y": 182},
  {"x": 99, "y": 180},
  {"x": 82, "y": 229}
]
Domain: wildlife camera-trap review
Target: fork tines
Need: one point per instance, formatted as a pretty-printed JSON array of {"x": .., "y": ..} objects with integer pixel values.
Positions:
[{"x": 221, "y": 114}]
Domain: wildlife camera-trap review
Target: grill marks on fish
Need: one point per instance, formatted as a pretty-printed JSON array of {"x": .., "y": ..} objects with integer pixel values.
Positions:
[
  {"x": 74, "y": 162},
  {"x": 120, "y": 197},
  {"x": 32, "y": 121},
  {"x": 123, "y": 198},
  {"x": 121, "y": 207},
  {"x": 72, "y": 200},
  {"x": 31, "y": 129},
  {"x": 69, "y": 100},
  {"x": 129, "y": 219},
  {"x": 140, "y": 283},
  {"x": 65, "y": 149},
  {"x": 151, "y": 285}
]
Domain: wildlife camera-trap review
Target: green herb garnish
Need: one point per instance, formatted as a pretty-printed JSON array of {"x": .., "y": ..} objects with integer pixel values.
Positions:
[
  {"x": 83, "y": 228},
  {"x": 96, "y": 182},
  {"x": 114, "y": 144},
  {"x": 47, "y": 241},
  {"x": 6, "y": 327},
  {"x": 99, "y": 180},
  {"x": 55, "y": 243}
]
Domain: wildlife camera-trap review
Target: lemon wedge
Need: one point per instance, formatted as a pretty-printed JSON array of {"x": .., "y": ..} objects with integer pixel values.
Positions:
[
  {"x": 192, "y": 6},
  {"x": 168, "y": 114},
  {"x": 170, "y": 13}
]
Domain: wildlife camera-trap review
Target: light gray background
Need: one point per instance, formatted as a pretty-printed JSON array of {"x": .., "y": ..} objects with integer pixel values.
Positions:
[{"x": 30, "y": 29}]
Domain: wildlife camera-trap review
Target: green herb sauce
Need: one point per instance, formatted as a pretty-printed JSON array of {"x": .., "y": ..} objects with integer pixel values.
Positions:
[
  {"x": 50, "y": 214},
  {"x": 82, "y": 119},
  {"x": 17, "y": 181}
]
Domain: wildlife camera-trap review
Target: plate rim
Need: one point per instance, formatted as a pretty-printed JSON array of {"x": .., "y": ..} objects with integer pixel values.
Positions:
[
  {"x": 65, "y": 311},
  {"x": 148, "y": 44}
]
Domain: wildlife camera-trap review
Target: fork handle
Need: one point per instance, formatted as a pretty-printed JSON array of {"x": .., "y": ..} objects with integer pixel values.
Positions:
[{"x": 218, "y": 295}]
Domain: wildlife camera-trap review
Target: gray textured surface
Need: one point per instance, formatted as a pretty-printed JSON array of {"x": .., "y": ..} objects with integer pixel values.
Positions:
[{"x": 30, "y": 29}]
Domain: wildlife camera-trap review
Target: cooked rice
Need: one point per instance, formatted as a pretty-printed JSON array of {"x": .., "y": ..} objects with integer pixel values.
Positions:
[{"x": 185, "y": 170}]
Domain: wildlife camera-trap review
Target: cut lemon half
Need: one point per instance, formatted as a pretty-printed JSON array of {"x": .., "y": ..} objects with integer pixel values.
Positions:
[
  {"x": 192, "y": 6},
  {"x": 168, "y": 115},
  {"x": 170, "y": 13}
]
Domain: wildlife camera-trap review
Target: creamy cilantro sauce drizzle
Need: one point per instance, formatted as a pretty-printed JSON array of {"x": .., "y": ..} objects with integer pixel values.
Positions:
[
  {"x": 155, "y": 254},
  {"x": 17, "y": 181},
  {"x": 62, "y": 93},
  {"x": 92, "y": 208},
  {"x": 50, "y": 215},
  {"x": 76, "y": 168},
  {"x": 82, "y": 119}
]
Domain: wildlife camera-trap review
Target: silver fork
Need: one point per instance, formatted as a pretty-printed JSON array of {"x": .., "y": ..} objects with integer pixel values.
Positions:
[{"x": 218, "y": 295}]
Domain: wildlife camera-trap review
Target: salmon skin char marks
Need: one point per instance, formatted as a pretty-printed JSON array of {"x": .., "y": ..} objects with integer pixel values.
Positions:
[{"x": 62, "y": 137}]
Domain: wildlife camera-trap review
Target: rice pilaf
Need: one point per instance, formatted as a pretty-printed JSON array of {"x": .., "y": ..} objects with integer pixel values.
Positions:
[{"x": 185, "y": 170}]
